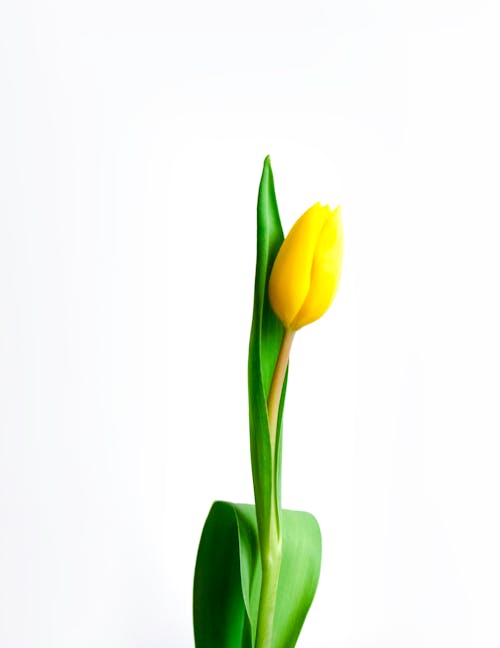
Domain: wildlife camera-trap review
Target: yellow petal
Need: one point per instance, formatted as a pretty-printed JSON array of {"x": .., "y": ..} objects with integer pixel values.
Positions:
[
  {"x": 290, "y": 278},
  {"x": 325, "y": 272}
]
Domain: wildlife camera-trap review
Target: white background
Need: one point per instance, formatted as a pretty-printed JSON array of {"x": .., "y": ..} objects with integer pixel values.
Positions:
[{"x": 131, "y": 142}]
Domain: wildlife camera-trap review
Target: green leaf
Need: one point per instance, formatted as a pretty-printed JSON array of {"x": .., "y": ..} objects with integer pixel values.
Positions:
[
  {"x": 228, "y": 576},
  {"x": 265, "y": 341}
]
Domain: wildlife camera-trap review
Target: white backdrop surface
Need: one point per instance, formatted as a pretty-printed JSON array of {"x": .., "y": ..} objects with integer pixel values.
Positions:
[{"x": 131, "y": 142}]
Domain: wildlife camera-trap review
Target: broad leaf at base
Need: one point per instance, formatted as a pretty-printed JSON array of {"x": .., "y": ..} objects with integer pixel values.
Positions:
[{"x": 228, "y": 576}]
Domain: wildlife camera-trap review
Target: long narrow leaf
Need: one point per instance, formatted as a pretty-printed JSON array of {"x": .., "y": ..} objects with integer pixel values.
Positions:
[{"x": 265, "y": 340}]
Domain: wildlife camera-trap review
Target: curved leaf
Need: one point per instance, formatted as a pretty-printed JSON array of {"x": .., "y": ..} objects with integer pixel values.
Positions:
[{"x": 228, "y": 577}]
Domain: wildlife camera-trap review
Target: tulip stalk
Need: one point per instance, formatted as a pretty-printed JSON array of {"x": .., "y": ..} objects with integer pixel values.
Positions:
[
  {"x": 273, "y": 401},
  {"x": 272, "y": 545}
]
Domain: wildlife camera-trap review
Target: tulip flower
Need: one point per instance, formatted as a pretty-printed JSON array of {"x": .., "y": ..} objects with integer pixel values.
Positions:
[
  {"x": 306, "y": 272},
  {"x": 258, "y": 565}
]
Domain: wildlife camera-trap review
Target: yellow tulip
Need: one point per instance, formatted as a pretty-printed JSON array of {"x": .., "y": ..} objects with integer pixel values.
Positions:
[{"x": 306, "y": 272}]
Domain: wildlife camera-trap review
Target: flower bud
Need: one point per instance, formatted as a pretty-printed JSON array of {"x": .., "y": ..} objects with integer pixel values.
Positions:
[{"x": 306, "y": 271}]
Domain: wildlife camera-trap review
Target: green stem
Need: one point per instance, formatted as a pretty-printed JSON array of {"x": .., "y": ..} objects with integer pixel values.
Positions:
[
  {"x": 271, "y": 548},
  {"x": 274, "y": 398}
]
